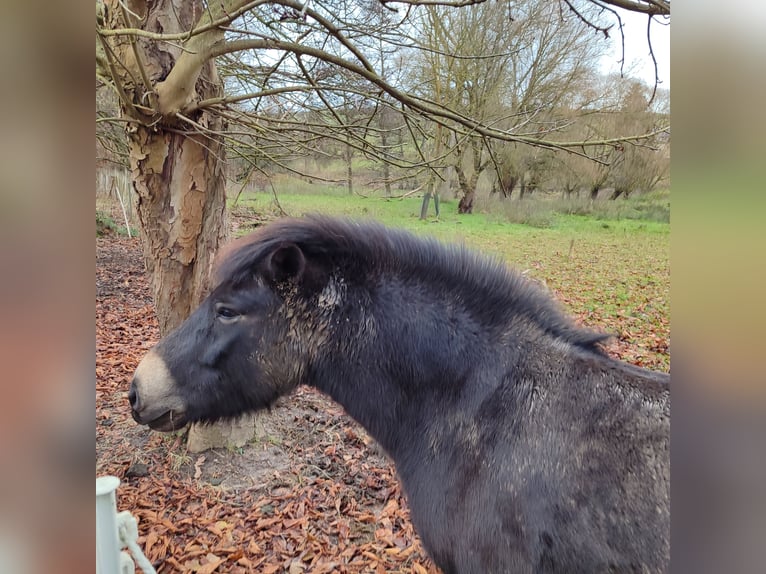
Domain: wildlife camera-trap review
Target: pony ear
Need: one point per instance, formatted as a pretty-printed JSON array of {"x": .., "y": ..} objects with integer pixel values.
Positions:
[{"x": 286, "y": 263}]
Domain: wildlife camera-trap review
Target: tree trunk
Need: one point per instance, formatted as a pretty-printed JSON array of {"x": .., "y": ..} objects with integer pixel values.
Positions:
[
  {"x": 180, "y": 186},
  {"x": 425, "y": 203},
  {"x": 403, "y": 183},
  {"x": 430, "y": 191},
  {"x": 506, "y": 187},
  {"x": 386, "y": 165},
  {"x": 349, "y": 170},
  {"x": 617, "y": 193},
  {"x": 467, "y": 188},
  {"x": 387, "y": 179},
  {"x": 466, "y": 202},
  {"x": 177, "y": 173}
]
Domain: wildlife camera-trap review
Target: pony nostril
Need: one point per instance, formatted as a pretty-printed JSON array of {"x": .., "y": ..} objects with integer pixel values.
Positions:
[{"x": 133, "y": 397}]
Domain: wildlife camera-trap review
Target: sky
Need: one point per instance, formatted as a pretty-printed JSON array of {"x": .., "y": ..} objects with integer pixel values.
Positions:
[{"x": 637, "y": 49}]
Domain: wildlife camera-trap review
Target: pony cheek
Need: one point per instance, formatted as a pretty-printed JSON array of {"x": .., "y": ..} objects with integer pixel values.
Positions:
[{"x": 217, "y": 348}]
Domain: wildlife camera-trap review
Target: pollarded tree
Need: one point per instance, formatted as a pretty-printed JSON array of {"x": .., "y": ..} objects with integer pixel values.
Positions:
[
  {"x": 517, "y": 66},
  {"x": 177, "y": 174},
  {"x": 462, "y": 65},
  {"x": 637, "y": 166},
  {"x": 554, "y": 61}
]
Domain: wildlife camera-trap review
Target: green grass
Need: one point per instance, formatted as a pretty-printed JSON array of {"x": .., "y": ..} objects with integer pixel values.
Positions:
[
  {"x": 543, "y": 211},
  {"x": 105, "y": 224},
  {"x": 614, "y": 274}
]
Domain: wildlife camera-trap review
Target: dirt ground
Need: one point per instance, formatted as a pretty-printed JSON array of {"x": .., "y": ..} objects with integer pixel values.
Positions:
[{"x": 314, "y": 494}]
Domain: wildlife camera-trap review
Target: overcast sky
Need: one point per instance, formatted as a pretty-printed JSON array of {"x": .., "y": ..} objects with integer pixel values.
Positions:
[{"x": 638, "y": 62}]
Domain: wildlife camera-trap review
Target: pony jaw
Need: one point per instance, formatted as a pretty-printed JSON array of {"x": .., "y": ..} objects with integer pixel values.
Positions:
[{"x": 170, "y": 421}]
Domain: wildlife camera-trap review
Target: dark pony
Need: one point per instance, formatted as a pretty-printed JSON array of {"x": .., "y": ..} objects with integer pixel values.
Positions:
[{"x": 521, "y": 445}]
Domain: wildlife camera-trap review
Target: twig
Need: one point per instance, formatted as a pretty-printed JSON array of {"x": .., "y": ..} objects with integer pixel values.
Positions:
[
  {"x": 139, "y": 61},
  {"x": 409, "y": 193},
  {"x": 113, "y": 72},
  {"x": 654, "y": 59},
  {"x": 226, "y": 19},
  {"x": 282, "y": 212},
  {"x": 603, "y": 29}
]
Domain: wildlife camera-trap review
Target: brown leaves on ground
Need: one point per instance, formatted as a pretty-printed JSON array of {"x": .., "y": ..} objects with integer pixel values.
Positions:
[{"x": 314, "y": 495}]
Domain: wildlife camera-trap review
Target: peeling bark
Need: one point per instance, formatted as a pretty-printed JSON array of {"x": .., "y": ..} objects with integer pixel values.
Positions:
[
  {"x": 181, "y": 201},
  {"x": 177, "y": 174}
]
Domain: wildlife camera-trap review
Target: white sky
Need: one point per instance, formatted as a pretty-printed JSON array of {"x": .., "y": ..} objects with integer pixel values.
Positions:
[{"x": 638, "y": 62}]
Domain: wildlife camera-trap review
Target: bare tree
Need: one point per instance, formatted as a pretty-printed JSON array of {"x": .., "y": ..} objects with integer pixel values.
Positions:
[
  {"x": 556, "y": 63},
  {"x": 285, "y": 63},
  {"x": 176, "y": 174},
  {"x": 160, "y": 59},
  {"x": 520, "y": 67},
  {"x": 637, "y": 166},
  {"x": 462, "y": 65}
]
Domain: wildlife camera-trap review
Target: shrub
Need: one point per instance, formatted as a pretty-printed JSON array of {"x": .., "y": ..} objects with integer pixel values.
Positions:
[
  {"x": 540, "y": 210},
  {"x": 105, "y": 225}
]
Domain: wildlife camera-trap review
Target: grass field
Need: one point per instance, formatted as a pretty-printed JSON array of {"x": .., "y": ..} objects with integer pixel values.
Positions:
[{"x": 613, "y": 274}]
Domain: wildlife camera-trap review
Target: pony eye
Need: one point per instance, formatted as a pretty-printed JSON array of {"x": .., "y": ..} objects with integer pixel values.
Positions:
[{"x": 226, "y": 312}]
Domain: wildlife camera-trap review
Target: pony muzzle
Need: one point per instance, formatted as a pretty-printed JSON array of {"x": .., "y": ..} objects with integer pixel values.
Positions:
[{"x": 153, "y": 396}]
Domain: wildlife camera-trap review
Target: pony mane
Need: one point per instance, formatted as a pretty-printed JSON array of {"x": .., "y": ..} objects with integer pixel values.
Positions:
[{"x": 484, "y": 285}]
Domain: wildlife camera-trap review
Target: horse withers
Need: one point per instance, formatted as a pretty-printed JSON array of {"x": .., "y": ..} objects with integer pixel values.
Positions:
[{"x": 520, "y": 445}]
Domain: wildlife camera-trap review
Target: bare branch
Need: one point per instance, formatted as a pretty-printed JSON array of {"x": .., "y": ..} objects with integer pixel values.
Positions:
[
  {"x": 229, "y": 16},
  {"x": 603, "y": 29},
  {"x": 435, "y": 112},
  {"x": 139, "y": 61},
  {"x": 654, "y": 59},
  {"x": 315, "y": 81},
  {"x": 110, "y": 60},
  {"x": 651, "y": 7},
  {"x": 449, "y": 3}
]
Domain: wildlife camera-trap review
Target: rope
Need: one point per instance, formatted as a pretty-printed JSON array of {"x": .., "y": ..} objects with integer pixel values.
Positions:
[{"x": 128, "y": 529}]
